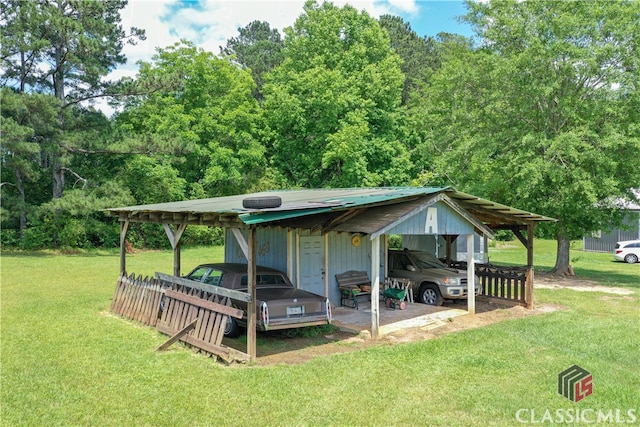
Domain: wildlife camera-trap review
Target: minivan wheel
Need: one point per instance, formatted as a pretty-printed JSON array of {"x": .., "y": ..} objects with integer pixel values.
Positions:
[
  {"x": 631, "y": 258},
  {"x": 231, "y": 329},
  {"x": 430, "y": 294}
]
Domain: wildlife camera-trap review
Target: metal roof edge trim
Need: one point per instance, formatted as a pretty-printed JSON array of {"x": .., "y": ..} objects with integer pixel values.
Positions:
[
  {"x": 498, "y": 207},
  {"x": 252, "y": 218}
]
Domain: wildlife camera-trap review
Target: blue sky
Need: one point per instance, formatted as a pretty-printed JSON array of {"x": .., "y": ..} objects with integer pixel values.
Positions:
[
  {"x": 438, "y": 16},
  {"x": 427, "y": 17},
  {"x": 210, "y": 23}
]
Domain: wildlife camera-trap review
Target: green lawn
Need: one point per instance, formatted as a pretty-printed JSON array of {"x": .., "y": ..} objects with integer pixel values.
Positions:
[
  {"x": 66, "y": 361},
  {"x": 594, "y": 266}
]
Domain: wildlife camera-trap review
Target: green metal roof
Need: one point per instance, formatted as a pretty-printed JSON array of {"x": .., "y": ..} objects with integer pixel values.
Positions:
[
  {"x": 307, "y": 202},
  {"x": 334, "y": 200}
]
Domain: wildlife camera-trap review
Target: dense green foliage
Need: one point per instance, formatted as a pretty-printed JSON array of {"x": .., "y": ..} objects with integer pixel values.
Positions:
[
  {"x": 257, "y": 47},
  {"x": 540, "y": 112},
  {"x": 332, "y": 107},
  {"x": 55, "y": 55},
  {"x": 204, "y": 124},
  {"x": 544, "y": 114}
]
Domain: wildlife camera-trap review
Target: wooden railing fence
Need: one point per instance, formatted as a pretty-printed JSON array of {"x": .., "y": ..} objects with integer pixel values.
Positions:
[
  {"x": 180, "y": 308},
  {"x": 137, "y": 298},
  {"x": 508, "y": 284},
  {"x": 512, "y": 285}
]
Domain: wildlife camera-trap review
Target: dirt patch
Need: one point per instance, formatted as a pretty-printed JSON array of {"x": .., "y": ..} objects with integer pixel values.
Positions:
[
  {"x": 276, "y": 350},
  {"x": 301, "y": 350},
  {"x": 549, "y": 281}
]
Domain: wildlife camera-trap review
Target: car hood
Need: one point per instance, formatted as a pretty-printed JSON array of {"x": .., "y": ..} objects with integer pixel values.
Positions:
[{"x": 443, "y": 272}]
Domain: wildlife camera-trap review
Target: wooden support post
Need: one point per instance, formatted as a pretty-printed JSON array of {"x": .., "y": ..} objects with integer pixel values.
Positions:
[
  {"x": 530, "y": 228},
  {"x": 529, "y": 283},
  {"x": 528, "y": 295},
  {"x": 449, "y": 239},
  {"x": 375, "y": 287},
  {"x": 174, "y": 239},
  {"x": 471, "y": 276},
  {"x": 241, "y": 241},
  {"x": 124, "y": 227},
  {"x": 176, "y": 260},
  {"x": 251, "y": 306}
]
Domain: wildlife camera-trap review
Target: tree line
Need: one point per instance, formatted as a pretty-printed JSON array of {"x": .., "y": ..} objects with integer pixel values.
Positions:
[{"x": 540, "y": 110}]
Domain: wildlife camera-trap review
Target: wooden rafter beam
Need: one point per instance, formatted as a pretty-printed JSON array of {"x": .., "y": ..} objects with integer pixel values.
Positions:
[{"x": 341, "y": 218}]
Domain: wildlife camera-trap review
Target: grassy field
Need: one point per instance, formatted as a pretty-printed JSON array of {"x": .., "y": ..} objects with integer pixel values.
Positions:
[{"x": 66, "y": 361}]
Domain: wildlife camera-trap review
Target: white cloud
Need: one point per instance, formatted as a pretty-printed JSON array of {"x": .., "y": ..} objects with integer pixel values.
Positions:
[
  {"x": 210, "y": 23},
  {"x": 146, "y": 14},
  {"x": 408, "y": 6},
  {"x": 207, "y": 23}
]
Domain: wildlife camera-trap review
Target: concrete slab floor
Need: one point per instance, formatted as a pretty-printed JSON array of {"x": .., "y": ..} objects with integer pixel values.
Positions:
[{"x": 414, "y": 315}]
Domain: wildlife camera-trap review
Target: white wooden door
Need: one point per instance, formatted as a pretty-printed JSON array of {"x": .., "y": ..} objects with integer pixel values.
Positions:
[{"x": 312, "y": 264}]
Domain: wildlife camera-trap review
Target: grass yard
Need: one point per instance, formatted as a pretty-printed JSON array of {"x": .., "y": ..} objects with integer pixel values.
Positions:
[{"x": 66, "y": 361}]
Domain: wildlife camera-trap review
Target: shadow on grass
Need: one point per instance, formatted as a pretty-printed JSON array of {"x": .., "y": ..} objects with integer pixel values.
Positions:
[
  {"x": 58, "y": 253},
  {"x": 629, "y": 277},
  {"x": 278, "y": 342}
]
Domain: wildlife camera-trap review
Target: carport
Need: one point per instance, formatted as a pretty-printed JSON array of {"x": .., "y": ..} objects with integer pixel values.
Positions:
[{"x": 314, "y": 235}]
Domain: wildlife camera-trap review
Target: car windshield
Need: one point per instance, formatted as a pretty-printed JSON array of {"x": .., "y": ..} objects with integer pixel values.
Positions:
[
  {"x": 426, "y": 260},
  {"x": 207, "y": 275},
  {"x": 214, "y": 277},
  {"x": 198, "y": 274}
]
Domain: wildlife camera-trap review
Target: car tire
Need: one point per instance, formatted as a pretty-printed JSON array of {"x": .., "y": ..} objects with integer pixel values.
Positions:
[
  {"x": 264, "y": 202},
  {"x": 430, "y": 295},
  {"x": 231, "y": 329},
  {"x": 630, "y": 258}
]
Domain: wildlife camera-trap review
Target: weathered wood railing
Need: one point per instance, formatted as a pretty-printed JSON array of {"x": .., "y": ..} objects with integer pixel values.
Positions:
[
  {"x": 137, "y": 298},
  {"x": 508, "y": 284},
  {"x": 181, "y": 308},
  {"x": 197, "y": 315},
  {"x": 512, "y": 285}
]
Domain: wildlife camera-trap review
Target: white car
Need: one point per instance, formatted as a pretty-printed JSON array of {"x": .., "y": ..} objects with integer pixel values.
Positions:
[{"x": 628, "y": 251}]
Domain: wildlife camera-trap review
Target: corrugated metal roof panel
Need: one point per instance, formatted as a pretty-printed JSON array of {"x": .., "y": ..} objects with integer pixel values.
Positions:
[
  {"x": 299, "y": 203},
  {"x": 291, "y": 200}
]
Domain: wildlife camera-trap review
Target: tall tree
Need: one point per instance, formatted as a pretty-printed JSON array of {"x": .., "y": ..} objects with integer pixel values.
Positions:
[
  {"x": 64, "y": 48},
  {"x": 425, "y": 120},
  {"x": 545, "y": 115},
  {"x": 257, "y": 47},
  {"x": 420, "y": 55},
  {"x": 28, "y": 122},
  {"x": 332, "y": 106},
  {"x": 207, "y": 121}
]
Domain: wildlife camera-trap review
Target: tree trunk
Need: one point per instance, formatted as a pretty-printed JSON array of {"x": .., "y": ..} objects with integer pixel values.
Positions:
[
  {"x": 58, "y": 179},
  {"x": 58, "y": 88},
  {"x": 562, "y": 256},
  {"x": 23, "y": 203}
]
